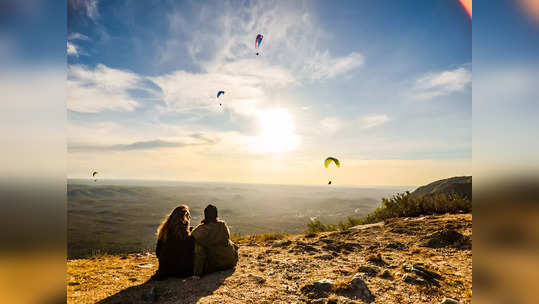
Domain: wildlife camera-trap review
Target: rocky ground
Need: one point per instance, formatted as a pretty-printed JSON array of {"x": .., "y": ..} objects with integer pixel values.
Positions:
[{"x": 404, "y": 260}]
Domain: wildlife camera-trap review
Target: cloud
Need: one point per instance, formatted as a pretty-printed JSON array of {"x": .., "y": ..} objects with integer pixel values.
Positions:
[
  {"x": 292, "y": 39},
  {"x": 200, "y": 140},
  {"x": 101, "y": 88},
  {"x": 90, "y": 7},
  {"x": 77, "y": 36},
  {"x": 442, "y": 83},
  {"x": 246, "y": 83},
  {"x": 72, "y": 49},
  {"x": 371, "y": 121},
  {"x": 323, "y": 66}
]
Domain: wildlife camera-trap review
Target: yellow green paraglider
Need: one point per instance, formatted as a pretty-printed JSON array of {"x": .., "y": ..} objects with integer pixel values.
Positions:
[
  {"x": 330, "y": 160},
  {"x": 94, "y": 175}
]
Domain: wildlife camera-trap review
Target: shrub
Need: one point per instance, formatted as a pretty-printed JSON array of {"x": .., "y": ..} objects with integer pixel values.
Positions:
[
  {"x": 257, "y": 238},
  {"x": 402, "y": 205},
  {"x": 317, "y": 226}
]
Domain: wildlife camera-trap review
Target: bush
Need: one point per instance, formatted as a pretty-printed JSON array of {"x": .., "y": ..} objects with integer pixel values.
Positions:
[
  {"x": 402, "y": 205},
  {"x": 257, "y": 238},
  {"x": 317, "y": 226}
]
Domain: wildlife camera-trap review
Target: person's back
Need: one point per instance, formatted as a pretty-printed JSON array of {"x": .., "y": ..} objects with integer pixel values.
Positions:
[
  {"x": 213, "y": 248},
  {"x": 175, "y": 245},
  {"x": 176, "y": 256}
]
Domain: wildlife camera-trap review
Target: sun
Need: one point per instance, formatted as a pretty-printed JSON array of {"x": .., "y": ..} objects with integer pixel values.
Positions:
[{"x": 276, "y": 131}]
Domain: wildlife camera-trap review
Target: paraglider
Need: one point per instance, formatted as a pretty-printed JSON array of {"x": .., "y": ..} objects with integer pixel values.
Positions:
[
  {"x": 258, "y": 41},
  {"x": 332, "y": 159},
  {"x": 328, "y": 161},
  {"x": 94, "y": 175},
  {"x": 219, "y": 94}
]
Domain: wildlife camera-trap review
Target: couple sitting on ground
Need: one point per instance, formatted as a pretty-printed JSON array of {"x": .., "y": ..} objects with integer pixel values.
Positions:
[{"x": 183, "y": 251}]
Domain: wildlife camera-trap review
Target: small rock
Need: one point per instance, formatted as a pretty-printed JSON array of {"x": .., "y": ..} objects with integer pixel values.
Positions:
[
  {"x": 396, "y": 245},
  {"x": 447, "y": 238},
  {"x": 319, "y": 301},
  {"x": 376, "y": 259},
  {"x": 318, "y": 289},
  {"x": 428, "y": 277},
  {"x": 413, "y": 280},
  {"x": 324, "y": 285},
  {"x": 325, "y": 257},
  {"x": 386, "y": 275},
  {"x": 357, "y": 289},
  {"x": 449, "y": 301},
  {"x": 281, "y": 243},
  {"x": 368, "y": 269},
  {"x": 258, "y": 279}
]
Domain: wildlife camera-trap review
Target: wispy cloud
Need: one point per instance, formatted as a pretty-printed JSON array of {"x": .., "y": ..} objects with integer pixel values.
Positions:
[
  {"x": 371, "y": 121},
  {"x": 74, "y": 49},
  {"x": 77, "y": 36},
  {"x": 100, "y": 88},
  {"x": 245, "y": 82},
  {"x": 197, "y": 139},
  {"x": 90, "y": 7},
  {"x": 323, "y": 66},
  {"x": 442, "y": 83}
]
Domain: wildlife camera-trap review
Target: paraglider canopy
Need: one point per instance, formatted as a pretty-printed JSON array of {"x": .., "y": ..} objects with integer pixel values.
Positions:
[
  {"x": 220, "y": 93},
  {"x": 94, "y": 174},
  {"x": 258, "y": 41},
  {"x": 332, "y": 159}
]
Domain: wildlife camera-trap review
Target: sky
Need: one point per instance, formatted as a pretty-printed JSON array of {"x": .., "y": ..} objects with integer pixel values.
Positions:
[{"x": 384, "y": 86}]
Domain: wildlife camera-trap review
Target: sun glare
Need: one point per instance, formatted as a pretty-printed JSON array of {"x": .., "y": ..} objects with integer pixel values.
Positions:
[{"x": 277, "y": 131}]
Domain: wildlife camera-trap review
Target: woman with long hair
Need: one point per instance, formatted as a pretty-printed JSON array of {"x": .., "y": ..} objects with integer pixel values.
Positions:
[
  {"x": 175, "y": 245},
  {"x": 213, "y": 248}
]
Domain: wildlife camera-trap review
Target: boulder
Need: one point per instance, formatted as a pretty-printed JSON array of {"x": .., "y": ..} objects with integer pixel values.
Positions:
[{"x": 449, "y": 301}]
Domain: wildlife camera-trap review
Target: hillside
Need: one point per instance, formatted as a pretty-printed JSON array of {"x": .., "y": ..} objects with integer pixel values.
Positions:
[
  {"x": 401, "y": 260},
  {"x": 460, "y": 185}
]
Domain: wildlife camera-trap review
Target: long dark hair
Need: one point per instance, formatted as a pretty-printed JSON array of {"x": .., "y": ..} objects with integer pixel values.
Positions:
[
  {"x": 210, "y": 215},
  {"x": 176, "y": 223}
]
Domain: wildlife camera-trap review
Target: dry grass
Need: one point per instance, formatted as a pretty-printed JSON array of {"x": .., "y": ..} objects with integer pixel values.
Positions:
[
  {"x": 117, "y": 279},
  {"x": 258, "y": 238}
]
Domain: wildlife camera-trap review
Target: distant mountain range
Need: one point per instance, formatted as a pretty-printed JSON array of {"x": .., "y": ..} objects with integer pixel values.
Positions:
[{"x": 461, "y": 185}]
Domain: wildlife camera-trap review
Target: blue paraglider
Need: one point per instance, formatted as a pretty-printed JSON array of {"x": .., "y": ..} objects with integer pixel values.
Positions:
[{"x": 219, "y": 94}]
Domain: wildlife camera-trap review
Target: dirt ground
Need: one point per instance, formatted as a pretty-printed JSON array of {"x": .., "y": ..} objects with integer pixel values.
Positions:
[{"x": 275, "y": 271}]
